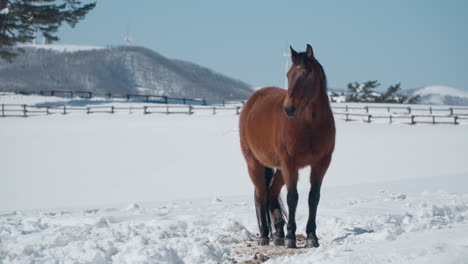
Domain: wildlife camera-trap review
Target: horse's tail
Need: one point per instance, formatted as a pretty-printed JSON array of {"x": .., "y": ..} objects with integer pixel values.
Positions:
[{"x": 273, "y": 204}]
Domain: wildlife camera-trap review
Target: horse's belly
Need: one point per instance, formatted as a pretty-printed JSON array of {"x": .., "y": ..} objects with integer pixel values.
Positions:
[
  {"x": 262, "y": 142},
  {"x": 267, "y": 158}
]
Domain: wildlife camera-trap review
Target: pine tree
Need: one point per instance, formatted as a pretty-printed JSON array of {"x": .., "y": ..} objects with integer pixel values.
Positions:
[
  {"x": 362, "y": 92},
  {"x": 20, "y": 20}
]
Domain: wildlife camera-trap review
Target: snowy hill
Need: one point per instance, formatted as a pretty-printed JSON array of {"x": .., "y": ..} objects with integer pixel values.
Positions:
[
  {"x": 440, "y": 95},
  {"x": 118, "y": 70}
]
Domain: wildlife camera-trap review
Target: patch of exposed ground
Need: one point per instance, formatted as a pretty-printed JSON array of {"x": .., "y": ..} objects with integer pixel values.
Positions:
[{"x": 250, "y": 253}]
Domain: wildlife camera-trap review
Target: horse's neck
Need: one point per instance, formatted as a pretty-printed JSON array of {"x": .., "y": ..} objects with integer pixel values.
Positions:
[{"x": 319, "y": 109}]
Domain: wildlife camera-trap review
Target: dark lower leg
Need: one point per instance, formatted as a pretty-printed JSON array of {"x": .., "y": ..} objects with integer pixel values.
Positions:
[
  {"x": 314, "y": 198},
  {"x": 261, "y": 210},
  {"x": 292, "y": 198}
]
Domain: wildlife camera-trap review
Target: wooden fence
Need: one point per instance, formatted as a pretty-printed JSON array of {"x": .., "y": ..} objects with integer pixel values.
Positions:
[
  {"x": 406, "y": 114},
  {"x": 365, "y": 113},
  {"x": 22, "y": 110},
  {"x": 128, "y": 97}
]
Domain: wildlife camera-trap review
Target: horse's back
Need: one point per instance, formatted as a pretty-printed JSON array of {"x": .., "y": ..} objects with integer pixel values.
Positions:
[{"x": 258, "y": 121}]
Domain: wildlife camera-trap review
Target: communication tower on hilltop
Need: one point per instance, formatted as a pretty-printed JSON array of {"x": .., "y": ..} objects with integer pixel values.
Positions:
[{"x": 128, "y": 39}]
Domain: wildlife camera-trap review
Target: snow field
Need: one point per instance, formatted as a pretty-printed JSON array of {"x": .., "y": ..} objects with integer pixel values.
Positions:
[
  {"x": 355, "y": 225},
  {"x": 174, "y": 189}
]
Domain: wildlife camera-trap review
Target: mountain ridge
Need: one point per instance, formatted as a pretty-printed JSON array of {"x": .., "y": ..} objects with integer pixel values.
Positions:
[{"x": 125, "y": 69}]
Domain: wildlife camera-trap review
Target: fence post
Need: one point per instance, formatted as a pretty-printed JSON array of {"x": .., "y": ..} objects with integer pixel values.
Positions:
[
  {"x": 112, "y": 110},
  {"x": 190, "y": 109},
  {"x": 391, "y": 121},
  {"x": 388, "y": 109},
  {"x": 347, "y": 116},
  {"x": 3, "y": 110},
  {"x": 367, "y": 109},
  {"x": 412, "y": 120},
  {"x": 237, "y": 110},
  {"x": 430, "y": 110},
  {"x": 47, "y": 110},
  {"x": 455, "y": 118},
  {"x": 451, "y": 111},
  {"x": 64, "y": 109},
  {"x": 369, "y": 118},
  {"x": 214, "y": 110},
  {"x": 409, "y": 110},
  {"x": 167, "y": 109},
  {"x": 25, "y": 111}
]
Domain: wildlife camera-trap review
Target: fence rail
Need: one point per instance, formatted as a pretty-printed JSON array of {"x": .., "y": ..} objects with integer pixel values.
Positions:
[
  {"x": 128, "y": 97},
  {"x": 368, "y": 113},
  {"x": 22, "y": 110},
  {"x": 452, "y": 117}
]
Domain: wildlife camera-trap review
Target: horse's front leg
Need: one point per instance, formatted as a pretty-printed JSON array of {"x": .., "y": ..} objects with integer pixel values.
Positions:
[
  {"x": 316, "y": 176},
  {"x": 290, "y": 176}
]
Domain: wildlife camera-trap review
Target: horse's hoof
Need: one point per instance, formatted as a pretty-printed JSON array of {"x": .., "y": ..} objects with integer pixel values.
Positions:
[
  {"x": 279, "y": 241},
  {"x": 263, "y": 241},
  {"x": 290, "y": 243},
  {"x": 312, "y": 243}
]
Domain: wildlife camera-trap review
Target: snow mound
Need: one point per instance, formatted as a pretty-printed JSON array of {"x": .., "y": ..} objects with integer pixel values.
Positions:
[
  {"x": 377, "y": 227},
  {"x": 186, "y": 234}
]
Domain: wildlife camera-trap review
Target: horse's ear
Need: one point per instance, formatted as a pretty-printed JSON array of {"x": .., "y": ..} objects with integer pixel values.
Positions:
[
  {"x": 309, "y": 52},
  {"x": 293, "y": 55}
]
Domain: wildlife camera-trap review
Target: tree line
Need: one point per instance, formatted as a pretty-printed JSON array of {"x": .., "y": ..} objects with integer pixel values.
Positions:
[{"x": 366, "y": 92}]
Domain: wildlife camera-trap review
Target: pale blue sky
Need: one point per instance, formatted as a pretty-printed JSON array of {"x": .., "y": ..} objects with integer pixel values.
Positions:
[{"x": 417, "y": 42}]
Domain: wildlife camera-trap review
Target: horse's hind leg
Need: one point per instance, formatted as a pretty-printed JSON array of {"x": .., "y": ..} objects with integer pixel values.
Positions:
[
  {"x": 316, "y": 177},
  {"x": 290, "y": 177},
  {"x": 276, "y": 207},
  {"x": 257, "y": 175}
]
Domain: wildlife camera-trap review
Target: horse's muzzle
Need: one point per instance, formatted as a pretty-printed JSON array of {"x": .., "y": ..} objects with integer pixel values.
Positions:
[{"x": 290, "y": 112}]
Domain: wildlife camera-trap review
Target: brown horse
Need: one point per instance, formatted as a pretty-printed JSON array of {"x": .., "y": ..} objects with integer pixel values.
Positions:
[{"x": 288, "y": 130}]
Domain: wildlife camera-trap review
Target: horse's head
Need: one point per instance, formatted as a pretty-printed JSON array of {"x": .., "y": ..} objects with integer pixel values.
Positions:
[{"x": 305, "y": 78}]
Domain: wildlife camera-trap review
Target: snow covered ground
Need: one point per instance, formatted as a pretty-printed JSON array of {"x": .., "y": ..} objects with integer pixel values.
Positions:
[{"x": 134, "y": 188}]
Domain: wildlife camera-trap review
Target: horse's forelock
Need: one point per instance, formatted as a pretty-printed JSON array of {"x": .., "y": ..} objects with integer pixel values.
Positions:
[{"x": 302, "y": 59}]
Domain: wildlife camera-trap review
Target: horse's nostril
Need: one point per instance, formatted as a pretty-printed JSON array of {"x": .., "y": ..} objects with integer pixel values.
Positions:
[{"x": 289, "y": 110}]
